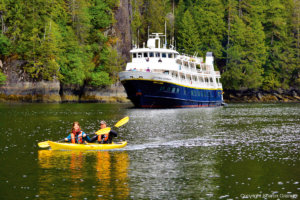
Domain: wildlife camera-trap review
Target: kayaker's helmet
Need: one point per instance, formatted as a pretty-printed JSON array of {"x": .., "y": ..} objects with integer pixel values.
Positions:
[{"x": 102, "y": 122}]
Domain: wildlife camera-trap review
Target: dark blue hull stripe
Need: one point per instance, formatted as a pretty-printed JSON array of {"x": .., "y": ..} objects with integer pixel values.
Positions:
[{"x": 153, "y": 94}]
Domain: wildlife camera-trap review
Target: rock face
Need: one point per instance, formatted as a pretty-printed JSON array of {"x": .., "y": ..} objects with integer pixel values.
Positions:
[
  {"x": 123, "y": 29},
  {"x": 292, "y": 95},
  {"x": 19, "y": 87}
]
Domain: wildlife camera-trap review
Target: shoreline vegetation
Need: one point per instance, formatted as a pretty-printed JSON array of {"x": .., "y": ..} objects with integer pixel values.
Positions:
[{"x": 70, "y": 51}]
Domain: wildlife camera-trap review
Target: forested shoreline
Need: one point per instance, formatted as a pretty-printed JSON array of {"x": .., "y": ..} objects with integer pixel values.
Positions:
[{"x": 255, "y": 42}]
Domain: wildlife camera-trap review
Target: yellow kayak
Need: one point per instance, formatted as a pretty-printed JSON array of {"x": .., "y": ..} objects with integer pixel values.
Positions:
[{"x": 88, "y": 146}]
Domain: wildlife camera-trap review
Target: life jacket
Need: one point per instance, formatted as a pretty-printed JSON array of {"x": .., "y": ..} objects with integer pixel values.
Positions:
[
  {"x": 79, "y": 137},
  {"x": 105, "y": 139}
]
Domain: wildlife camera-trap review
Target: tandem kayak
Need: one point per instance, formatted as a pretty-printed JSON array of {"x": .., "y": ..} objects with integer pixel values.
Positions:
[{"x": 89, "y": 146}]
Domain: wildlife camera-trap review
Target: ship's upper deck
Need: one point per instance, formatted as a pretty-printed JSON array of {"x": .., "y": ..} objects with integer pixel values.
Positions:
[{"x": 159, "y": 59}]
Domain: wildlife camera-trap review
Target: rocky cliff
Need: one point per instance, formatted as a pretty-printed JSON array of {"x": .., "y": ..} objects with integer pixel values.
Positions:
[{"x": 19, "y": 87}]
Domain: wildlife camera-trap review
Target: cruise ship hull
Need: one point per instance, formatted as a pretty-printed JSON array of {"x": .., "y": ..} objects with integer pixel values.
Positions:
[{"x": 162, "y": 94}]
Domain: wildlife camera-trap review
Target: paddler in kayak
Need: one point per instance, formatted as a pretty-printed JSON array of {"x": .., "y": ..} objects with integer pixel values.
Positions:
[
  {"x": 77, "y": 135},
  {"x": 105, "y": 138}
]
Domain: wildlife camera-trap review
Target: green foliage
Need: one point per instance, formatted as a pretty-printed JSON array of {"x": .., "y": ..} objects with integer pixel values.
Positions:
[
  {"x": 209, "y": 19},
  {"x": 246, "y": 51},
  {"x": 100, "y": 78},
  {"x": 4, "y": 45},
  {"x": 137, "y": 19},
  {"x": 60, "y": 39},
  {"x": 2, "y": 78},
  {"x": 188, "y": 35},
  {"x": 101, "y": 14}
]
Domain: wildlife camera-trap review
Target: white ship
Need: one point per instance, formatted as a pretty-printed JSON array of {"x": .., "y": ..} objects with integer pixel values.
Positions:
[{"x": 159, "y": 77}]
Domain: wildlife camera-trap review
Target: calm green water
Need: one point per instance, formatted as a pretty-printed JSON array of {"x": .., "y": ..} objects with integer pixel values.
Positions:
[{"x": 235, "y": 152}]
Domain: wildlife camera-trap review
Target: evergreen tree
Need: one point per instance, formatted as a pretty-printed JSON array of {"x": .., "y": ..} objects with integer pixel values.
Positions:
[
  {"x": 157, "y": 15},
  {"x": 137, "y": 19},
  {"x": 246, "y": 52},
  {"x": 295, "y": 27},
  {"x": 209, "y": 15},
  {"x": 188, "y": 36},
  {"x": 281, "y": 55}
]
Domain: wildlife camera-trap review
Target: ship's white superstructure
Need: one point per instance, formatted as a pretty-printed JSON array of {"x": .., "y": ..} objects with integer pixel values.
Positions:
[{"x": 169, "y": 65}]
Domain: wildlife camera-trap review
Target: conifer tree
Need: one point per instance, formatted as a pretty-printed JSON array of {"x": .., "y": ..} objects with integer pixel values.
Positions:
[
  {"x": 246, "y": 51},
  {"x": 188, "y": 36},
  {"x": 281, "y": 60},
  {"x": 209, "y": 15}
]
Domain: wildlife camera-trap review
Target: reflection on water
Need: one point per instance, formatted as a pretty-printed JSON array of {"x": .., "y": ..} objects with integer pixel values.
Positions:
[{"x": 103, "y": 173}]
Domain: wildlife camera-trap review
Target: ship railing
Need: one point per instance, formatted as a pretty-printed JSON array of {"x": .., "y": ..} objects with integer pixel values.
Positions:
[{"x": 206, "y": 72}]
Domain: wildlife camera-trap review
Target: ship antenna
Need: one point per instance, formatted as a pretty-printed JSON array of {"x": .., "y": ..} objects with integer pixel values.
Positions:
[
  {"x": 166, "y": 34},
  {"x": 148, "y": 32},
  {"x": 138, "y": 38}
]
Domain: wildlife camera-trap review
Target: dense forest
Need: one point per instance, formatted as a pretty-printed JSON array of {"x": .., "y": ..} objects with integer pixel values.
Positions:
[
  {"x": 255, "y": 42},
  {"x": 61, "y": 39}
]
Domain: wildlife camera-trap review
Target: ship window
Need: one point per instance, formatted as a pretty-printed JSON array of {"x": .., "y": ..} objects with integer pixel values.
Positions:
[
  {"x": 170, "y": 55},
  {"x": 145, "y": 54},
  {"x": 157, "y": 55},
  {"x": 194, "y": 92},
  {"x": 164, "y": 55},
  {"x": 211, "y": 80},
  {"x": 166, "y": 72},
  {"x": 139, "y": 55},
  {"x": 206, "y": 80},
  {"x": 151, "y": 54},
  {"x": 173, "y": 90},
  {"x": 177, "y": 90},
  {"x": 134, "y": 55},
  {"x": 162, "y": 88}
]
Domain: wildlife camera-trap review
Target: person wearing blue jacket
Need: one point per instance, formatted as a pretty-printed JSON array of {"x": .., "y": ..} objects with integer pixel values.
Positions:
[{"x": 77, "y": 135}]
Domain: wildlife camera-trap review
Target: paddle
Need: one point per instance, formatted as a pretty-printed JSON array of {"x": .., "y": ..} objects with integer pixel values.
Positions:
[
  {"x": 103, "y": 131},
  {"x": 122, "y": 122},
  {"x": 118, "y": 124},
  {"x": 45, "y": 144}
]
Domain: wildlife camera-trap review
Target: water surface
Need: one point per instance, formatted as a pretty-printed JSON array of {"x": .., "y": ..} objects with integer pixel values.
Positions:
[{"x": 234, "y": 152}]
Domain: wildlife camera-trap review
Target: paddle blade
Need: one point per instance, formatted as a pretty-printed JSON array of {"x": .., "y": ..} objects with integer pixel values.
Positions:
[
  {"x": 43, "y": 144},
  {"x": 122, "y": 122},
  {"x": 103, "y": 131}
]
